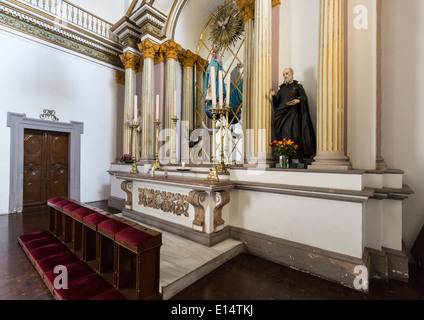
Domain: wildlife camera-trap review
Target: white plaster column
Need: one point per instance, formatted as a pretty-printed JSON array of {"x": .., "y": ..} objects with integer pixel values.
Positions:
[
  {"x": 187, "y": 59},
  {"x": 364, "y": 85},
  {"x": 172, "y": 51},
  {"x": 148, "y": 50},
  {"x": 247, "y": 8},
  {"x": 331, "y": 88},
  {"x": 262, "y": 82},
  {"x": 130, "y": 62}
]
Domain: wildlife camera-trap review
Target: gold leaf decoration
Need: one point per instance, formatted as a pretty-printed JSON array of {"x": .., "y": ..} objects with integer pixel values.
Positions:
[{"x": 227, "y": 25}]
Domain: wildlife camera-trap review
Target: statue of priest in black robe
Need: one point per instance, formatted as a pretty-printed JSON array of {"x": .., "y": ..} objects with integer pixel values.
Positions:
[{"x": 291, "y": 116}]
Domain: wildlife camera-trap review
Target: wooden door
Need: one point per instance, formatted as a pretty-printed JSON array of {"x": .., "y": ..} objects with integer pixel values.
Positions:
[{"x": 46, "y": 166}]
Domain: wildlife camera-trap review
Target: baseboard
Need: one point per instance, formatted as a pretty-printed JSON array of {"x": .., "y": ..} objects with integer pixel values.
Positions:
[
  {"x": 331, "y": 266},
  {"x": 207, "y": 239},
  {"x": 116, "y": 203}
]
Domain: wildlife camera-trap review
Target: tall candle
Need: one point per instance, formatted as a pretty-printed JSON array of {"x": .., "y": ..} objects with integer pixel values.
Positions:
[
  {"x": 228, "y": 90},
  {"x": 221, "y": 89},
  {"x": 183, "y": 163},
  {"x": 175, "y": 103},
  {"x": 213, "y": 86},
  {"x": 135, "y": 108},
  {"x": 157, "y": 106}
]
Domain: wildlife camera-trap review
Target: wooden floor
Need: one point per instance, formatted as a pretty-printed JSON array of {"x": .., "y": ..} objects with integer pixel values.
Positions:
[{"x": 245, "y": 277}]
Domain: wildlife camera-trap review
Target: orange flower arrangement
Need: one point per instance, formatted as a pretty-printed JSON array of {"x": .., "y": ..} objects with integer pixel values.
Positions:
[{"x": 284, "y": 148}]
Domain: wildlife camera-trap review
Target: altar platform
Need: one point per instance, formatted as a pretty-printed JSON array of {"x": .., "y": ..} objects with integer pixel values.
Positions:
[
  {"x": 182, "y": 261},
  {"x": 329, "y": 223}
]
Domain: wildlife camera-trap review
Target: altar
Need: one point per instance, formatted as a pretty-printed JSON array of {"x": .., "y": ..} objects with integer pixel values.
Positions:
[{"x": 339, "y": 225}]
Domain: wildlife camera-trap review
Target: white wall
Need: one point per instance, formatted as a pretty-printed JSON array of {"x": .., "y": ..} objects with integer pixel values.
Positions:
[
  {"x": 299, "y": 31},
  {"x": 36, "y": 77},
  {"x": 402, "y": 103}
]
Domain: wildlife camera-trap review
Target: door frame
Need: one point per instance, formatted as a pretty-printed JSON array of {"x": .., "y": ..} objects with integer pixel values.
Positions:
[{"x": 18, "y": 122}]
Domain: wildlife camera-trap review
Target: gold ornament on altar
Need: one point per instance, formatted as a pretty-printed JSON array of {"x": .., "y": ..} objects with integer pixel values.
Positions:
[{"x": 227, "y": 26}]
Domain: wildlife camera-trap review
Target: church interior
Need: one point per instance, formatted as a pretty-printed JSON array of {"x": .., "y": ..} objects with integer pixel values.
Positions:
[{"x": 209, "y": 137}]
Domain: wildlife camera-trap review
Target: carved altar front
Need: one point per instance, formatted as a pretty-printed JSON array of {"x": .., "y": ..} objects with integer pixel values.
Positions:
[{"x": 192, "y": 208}]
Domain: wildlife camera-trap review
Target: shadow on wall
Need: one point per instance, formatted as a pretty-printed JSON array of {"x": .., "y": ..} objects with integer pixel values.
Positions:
[
  {"x": 311, "y": 84},
  {"x": 402, "y": 112}
]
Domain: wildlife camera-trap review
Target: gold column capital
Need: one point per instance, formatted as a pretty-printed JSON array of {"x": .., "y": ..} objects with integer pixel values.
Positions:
[
  {"x": 201, "y": 64},
  {"x": 120, "y": 77},
  {"x": 130, "y": 60},
  {"x": 188, "y": 58},
  {"x": 160, "y": 55},
  {"x": 148, "y": 48},
  {"x": 139, "y": 66},
  {"x": 171, "y": 49},
  {"x": 275, "y": 3},
  {"x": 247, "y": 9}
]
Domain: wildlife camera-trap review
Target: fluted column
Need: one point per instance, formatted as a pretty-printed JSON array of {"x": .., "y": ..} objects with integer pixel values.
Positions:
[
  {"x": 131, "y": 62},
  {"x": 201, "y": 66},
  {"x": 148, "y": 50},
  {"x": 331, "y": 88},
  {"x": 187, "y": 59},
  {"x": 261, "y": 104},
  {"x": 247, "y": 8},
  {"x": 172, "y": 51}
]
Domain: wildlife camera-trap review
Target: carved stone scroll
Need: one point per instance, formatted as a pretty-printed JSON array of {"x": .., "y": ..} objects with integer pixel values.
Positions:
[
  {"x": 166, "y": 201},
  {"x": 127, "y": 187},
  {"x": 195, "y": 198},
  {"x": 221, "y": 199}
]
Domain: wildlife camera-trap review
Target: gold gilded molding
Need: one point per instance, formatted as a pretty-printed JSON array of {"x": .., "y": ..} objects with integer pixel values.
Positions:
[
  {"x": 127, "y": 187},
  {"x": 221, "y": 199},
  {"x": 140, "y": 66},
  {"x": 130, "y": 60},
  {"x": 188, "y": 59},
  {"x": 195, "y": 198},
  {"x": 166, "y": 201},
  {"x": 275, "y": 3},
  {"x": 148, "y": 48},
  {"x": 120, "y": 77},
  {"x": 247, "y": 9},
  {"x": 160, "y": 55},
  {"x": 171, "y": 49},
  {"x": 201, "y": 64}
]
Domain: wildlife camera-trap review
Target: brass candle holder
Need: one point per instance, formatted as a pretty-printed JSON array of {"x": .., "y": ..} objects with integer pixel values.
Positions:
[
  {"x": 156, "y": 165},
  {"x": 227, "y": 133},
  {"x": 174, "y": 141},
  {"x": 213, "y": 174},
  {"x": 134, "y": 168},
  {"x": 222, "y": 167}
]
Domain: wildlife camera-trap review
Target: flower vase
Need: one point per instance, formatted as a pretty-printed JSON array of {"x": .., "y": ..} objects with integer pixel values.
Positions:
[{"x": 284, "y": 162}]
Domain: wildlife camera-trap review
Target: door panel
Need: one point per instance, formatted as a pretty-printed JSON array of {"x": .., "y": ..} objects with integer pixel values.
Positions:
[
  {"x": 46, "y": 173},
  {"x": 57, "y": 183}
]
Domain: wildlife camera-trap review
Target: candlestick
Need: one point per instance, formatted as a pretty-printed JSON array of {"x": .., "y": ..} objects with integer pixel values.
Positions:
[
  {"x": 157, "y": 106},
  {"x": 134, "y": 168},
  {"x": 156, "y": 164},
  {"x": 175, "y": 103},
  {"x": 174, "y": 141},
  {"x": 221, "y": 89},
  {"x": 213, "y": 174},
  {"x": 213, "y": 86},
  {"x": 135, "y": 108},
  {"x": 228, "y": 90}
]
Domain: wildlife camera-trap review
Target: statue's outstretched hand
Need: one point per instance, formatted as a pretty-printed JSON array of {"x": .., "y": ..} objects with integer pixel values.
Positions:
[{"x": 293, "y": 102}]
